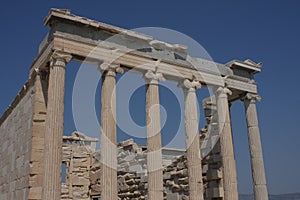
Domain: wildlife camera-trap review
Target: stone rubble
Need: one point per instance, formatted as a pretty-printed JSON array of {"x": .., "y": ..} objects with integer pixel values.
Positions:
[{"x": 83, "y": 171}]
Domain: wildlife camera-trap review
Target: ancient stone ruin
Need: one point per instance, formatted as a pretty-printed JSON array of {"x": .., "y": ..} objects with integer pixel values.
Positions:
[
  {"x": 83, "y": 171},
  {"x": 38, "y": 162}
]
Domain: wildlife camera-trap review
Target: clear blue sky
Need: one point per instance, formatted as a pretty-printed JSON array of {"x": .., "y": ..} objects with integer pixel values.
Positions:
[{"x": 262, "y": 31}]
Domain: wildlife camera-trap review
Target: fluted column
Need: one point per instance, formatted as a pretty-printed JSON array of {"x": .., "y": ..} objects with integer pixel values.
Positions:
[
  {"x": 192, "y": 139},
  {"x": 108, "y": 148},
  {"x": 256, "y": 154},
  {"x": 154, "y": 154},
  {"x": 54, "y": 127},
  {"x": 227, "y": 150}
]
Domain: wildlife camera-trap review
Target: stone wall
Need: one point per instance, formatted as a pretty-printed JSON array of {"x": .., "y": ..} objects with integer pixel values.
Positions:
[
  {"x": 211, "y": 149},
  {"x": 38, "y": 137},
  {"x": 176, "y": 177},
  {"x": 77, "y": 161},
  {"x": 84, "y": 166},
  {"x": 22, "y": 128},
  {"x": 15, "y": 146}
]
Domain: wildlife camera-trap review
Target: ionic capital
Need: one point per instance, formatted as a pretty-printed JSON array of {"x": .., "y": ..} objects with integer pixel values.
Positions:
[
  {"x": 223, "y": 91},
  {"x": 60, "y": 59},
  {"x": 110, "y": 69},
  {"x": 190, "y": 85},
  {"x": 251, "y": 97},
  {"x": 153, "y": 77}
]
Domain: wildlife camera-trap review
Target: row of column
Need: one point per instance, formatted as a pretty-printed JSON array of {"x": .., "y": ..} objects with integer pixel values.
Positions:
[{"x": 54, "y": 133}]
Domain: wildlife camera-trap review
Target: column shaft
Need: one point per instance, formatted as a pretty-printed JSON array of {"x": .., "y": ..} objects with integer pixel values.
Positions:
[
  {"x": 257, "y": 163},
  {"x": 154, "y": 154},
  {"x": 109, "y": 137},
  {"x": 192, "y": 140},
  {"x": 227, "y": 149},
  {"x": 54, "y": 128}
]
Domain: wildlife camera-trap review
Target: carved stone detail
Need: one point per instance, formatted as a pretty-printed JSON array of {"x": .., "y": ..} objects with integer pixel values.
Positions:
[
  {"x": 59, "y": 59},
  {"x": 223, "y": 92},
  {"x": 252, "y": 97},
  {"x": 153, "y": 77},
  {"x": 110, "y": 69},
  {"x": 191, "y": 85}
]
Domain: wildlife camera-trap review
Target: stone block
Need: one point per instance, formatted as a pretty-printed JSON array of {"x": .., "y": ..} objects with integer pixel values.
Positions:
[
  {"x": 80, "y": 181},
  {"x": 214, "y": 174},
  {"x": 135, "y": 168},
  {"x": 35, "y": 193},
  {"x": 173, "y": 196},
  {"x": 37, "y": 155},
  {"x": 214, "y": 192},
  {"x": 35, "y": 180},
  {"x": 36, "y": 167}
]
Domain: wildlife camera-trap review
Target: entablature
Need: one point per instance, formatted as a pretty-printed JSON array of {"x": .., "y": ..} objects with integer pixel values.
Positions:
[{"x": 91, "y": 41}]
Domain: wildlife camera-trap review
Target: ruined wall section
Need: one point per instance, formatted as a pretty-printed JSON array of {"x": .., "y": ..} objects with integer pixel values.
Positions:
[
  {"x": 83, "y": 172},
  {"x": 77, "y": 161},
  {"x": 211, "y": 152},
  {"x": 176, "y": 177},
  {"x": 15, "y": 145},
  {"x": 132, "y": 171}
]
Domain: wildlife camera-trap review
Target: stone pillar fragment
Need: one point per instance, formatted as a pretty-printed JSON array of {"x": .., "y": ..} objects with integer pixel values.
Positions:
[
  {"x": 54, "y": 127},
  {"x": 38, "y": 135},
  {"x": 257, "y": 163},
  {"x": 192, "y": 139},
  {"x": 154, "y": 153},
  {"x": 108, "y": 139},
  {"x": 227, "y": 149}
]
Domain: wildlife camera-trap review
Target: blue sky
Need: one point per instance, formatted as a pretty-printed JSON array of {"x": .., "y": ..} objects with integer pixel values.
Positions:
[{"x": 262, "y": 31}]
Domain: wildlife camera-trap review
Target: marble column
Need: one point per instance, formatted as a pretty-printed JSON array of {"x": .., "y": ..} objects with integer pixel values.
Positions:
[
  {"x": 192, "y": 139},
  {"x": 226, "y": 141},
  {"x": 108, "y": 139},
  {"x": 54, "y": 127},
  {"x": 256, "y": 154},
  {"x": 154, "y": 154}
]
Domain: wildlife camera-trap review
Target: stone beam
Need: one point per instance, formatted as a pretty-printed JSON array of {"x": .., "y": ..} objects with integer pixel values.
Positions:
[{"x": 141, "y": 63}]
